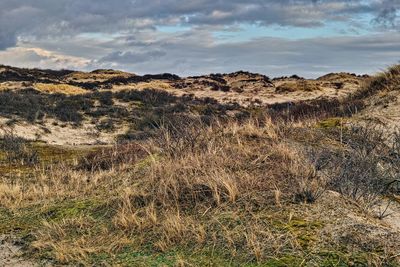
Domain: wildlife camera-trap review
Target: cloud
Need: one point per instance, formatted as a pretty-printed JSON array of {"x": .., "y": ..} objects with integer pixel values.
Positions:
[
  {"x": 38, "y": 18},
  {"x": 7, "y": 39},
  {"x": 185, "y": 36},
  {"x": 272, "y": 56},
  {"x": 129, "y": 57},
  {"x": 36, "y": 57},
  {"x": 387, "y": 15}
]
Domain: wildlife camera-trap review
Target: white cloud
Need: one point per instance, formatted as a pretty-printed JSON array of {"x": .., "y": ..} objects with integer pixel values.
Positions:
[{"x": 37, "y": 57}]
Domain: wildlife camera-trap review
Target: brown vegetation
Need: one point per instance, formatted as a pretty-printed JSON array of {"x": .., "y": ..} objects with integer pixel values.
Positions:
[
  {"x": 301, "y": 85},
  {"x": 226, "y": 186},
  {"x": 285, "y": 185},
  {"x": 59, "y": 89}
]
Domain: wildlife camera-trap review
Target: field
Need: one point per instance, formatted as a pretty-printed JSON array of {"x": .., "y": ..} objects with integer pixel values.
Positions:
[{"x": 114, "y": 169}]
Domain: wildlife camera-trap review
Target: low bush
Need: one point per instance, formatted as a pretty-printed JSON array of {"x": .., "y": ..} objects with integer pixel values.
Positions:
[
  {"x": 363, "y": 166},
  {"x": 150, "y": 97},
  {"x": 113, "y": 157},
  {"x": 17, "y": 149},
  {"x": 106, "y": 125}
]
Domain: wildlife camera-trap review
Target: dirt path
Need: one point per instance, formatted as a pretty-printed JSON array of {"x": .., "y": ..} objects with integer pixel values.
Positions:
[{"x": 10, "y": 254}]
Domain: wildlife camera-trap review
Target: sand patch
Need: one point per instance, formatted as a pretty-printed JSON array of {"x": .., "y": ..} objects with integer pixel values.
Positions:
[
  {"x": 55, "y": 133},
  {"x": 10, "y": 254}
]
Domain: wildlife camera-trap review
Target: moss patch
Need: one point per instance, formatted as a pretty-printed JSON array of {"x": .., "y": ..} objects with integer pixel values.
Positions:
[
  {"x": 47, "y": 155},
  {"x": 331, "y": 123},
  {"x": 28, "y": 219}
]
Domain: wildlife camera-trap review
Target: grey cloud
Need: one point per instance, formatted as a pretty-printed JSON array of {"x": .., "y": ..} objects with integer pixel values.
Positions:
[
  {"x": 271, "y": 56},
  {"x": 387, "y": 16},
  {"x": 36, "y": 57},
  {"x": 193, "y": 53},
  {"x": 38, "y": 18},
  {"x": 103, "y": 33},
  {"x": 129, "y": 57},
  {"x": 7, "y": 39}
]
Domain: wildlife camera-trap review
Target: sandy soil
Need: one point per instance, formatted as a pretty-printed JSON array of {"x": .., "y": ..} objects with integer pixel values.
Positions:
[
  {"x": 393, "y": 218},
  {"x": 62, "y": 134},
  {"x": 349, "y": 224},
  {"x": 384, "y": 110},
  {"x": 10, "y": 254}
]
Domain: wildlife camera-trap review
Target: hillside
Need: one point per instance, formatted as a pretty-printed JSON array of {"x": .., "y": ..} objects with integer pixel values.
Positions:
[
  {"x": 115, "y": 169},
  {"x": 76, "y": 108}
]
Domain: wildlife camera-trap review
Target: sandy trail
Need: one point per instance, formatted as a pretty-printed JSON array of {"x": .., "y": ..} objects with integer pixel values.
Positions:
[
  {"x": 10, "y": 254},
  {"x": 393, "y": 215}
]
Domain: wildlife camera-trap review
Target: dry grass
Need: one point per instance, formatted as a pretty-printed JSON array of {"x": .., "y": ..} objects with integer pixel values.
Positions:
[
  {"x": 302, "y": 85},
  {"x": 383, "y": 82},
  {"x": 3, "y": 87},
  {"x": 230, "y": 192},
  {"x": 59, "y": 89},
  {"x": 230, "y": 187},
  {"x": 179, "y": 201},
  {"x": 160, "y": 85},
  {"x": 98, "y": 75}
]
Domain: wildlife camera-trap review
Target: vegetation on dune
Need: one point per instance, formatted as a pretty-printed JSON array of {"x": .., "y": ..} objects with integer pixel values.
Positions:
[
  {"x": 385, "y": 81},
  {"x": 59, "y": 89},
  {"x": 98, "y": 75},
  {"x": 301, "y": 85},
  {"x": 203, "y": 194},
  {"x": 136, "y": 107},
  {"x": 289, "y": 185},
  {"x": 23, "y": 158}
]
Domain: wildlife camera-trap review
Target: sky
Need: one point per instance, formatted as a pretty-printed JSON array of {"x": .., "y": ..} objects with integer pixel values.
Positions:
[{"x": 193, "y": 37}]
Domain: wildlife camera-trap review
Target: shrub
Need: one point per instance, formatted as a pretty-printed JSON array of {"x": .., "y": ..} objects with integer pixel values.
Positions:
[
  {"x": 364, "y": 170},
  {"x": 68, "y": 111},
  {"x": 106, "y": 98},
  {"x": 17, "y": 150},
  {"x": 26, "y": 104},
  {"x": 107, "y": 125},
  {"x": 150, "y": 97},
  {"x": 114, "y": 157}
]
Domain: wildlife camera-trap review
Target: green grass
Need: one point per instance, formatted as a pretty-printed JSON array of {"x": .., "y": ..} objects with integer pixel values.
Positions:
[
  {"x": 48, "y": 155},
  {"x": 331, "y": 123},
  {"x": 29, "y": 218}
]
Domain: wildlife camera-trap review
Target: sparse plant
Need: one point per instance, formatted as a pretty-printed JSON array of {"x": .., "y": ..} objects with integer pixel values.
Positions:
[
  {"x": 110, "y": 158},
  {"x": 107, "y": 125},
  {"x": 16, "y": 149},
  {"x": 364, "y": 172}
]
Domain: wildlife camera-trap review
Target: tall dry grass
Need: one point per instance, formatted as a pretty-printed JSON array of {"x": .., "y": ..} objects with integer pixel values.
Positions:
[
  {"x": 171, "y": 191},
  {"x": 59, "y": 89}
]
